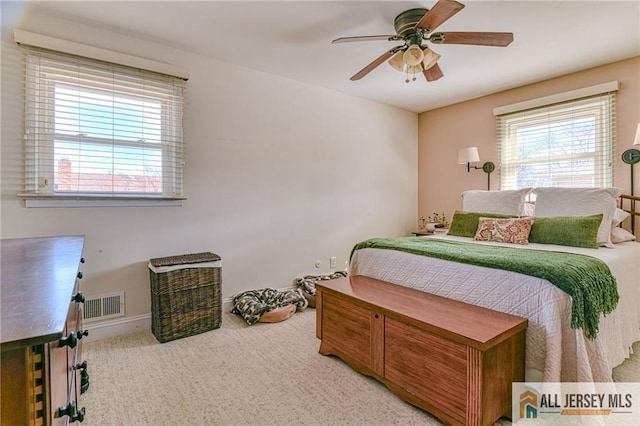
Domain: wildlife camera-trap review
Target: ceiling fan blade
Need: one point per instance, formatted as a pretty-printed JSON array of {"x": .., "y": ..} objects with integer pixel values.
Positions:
[
  {"x": 366, "y": 38},
  {"x": 480, "y": 39},
  {"x": 373, "y": 65},
  {"x": 433, "y": 73},
  {"x": 440, "y": 12}
]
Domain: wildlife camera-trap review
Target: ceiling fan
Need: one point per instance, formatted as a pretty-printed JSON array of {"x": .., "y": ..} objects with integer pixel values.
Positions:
[{"x": 415, "y": 26}]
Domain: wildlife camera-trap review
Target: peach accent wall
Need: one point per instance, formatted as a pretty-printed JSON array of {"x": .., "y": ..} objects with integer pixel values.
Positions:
[{"x": 443, "y": 131}]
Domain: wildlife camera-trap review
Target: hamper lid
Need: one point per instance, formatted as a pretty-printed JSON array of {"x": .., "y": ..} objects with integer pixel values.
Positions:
[{"x": 184, "y": 259}]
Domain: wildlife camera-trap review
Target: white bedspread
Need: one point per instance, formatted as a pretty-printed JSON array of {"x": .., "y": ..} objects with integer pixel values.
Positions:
[{"x": 554, "y": 351}]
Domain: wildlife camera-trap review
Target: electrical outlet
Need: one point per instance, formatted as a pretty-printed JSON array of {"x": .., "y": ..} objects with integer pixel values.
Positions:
[{"x": 332, "y": 262}]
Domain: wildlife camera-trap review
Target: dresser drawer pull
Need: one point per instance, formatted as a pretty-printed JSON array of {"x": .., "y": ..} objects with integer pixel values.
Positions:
[
  {"x": 84, "y": 376},
  {"x": 70, "y": 410},
  {"x": 79, "y": 275},
  {"x": 84, "y": 379},
  {"x": 71, "y": 340},
  {"x": 79, "y": 416},
  {"x": 78, "y": 297},
  {"x": 82, "y": 333},
  {"x": 82, "y": 260}
]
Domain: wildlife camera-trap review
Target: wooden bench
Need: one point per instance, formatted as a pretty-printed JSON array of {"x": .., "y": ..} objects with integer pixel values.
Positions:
[{"x": 455, "y": 360}]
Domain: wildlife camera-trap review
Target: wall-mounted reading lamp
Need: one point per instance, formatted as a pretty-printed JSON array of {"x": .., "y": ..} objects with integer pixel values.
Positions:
[
  {"x": 470, "y": 155},
  {"x": 632, "y": 156}
]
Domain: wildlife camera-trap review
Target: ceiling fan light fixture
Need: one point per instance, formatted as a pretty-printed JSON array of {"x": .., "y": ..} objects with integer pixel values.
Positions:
[
  {"x": 415, "y": 26},
  {"x": 430, "y": 58},
  {"x": 396, "y": 61},
  {"x": 413, "y": 55}
]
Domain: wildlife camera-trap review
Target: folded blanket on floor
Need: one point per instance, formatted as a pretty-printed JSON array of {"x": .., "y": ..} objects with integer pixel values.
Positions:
[
  {"x": 252, "y": 304},
  {"x": 308, "y": 283}
]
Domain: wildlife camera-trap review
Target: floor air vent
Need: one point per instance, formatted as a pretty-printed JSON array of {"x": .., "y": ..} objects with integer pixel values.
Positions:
[{"x": 103, "y": 306}]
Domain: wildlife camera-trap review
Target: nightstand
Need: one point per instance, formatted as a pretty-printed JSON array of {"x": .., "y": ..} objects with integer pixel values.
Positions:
[{"x": 424, "y": 233}]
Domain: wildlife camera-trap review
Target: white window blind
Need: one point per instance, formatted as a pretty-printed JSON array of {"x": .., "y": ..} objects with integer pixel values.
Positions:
[
  {"x": 97, "y": 129},
  {"x": 568, "y": 144}
]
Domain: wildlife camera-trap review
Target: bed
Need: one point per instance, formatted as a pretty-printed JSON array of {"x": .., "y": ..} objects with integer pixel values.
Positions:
[{"x": 555, "y": 351}]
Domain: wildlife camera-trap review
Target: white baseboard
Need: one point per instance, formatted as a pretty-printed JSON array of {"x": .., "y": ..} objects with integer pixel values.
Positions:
[
  {"x": 227, "y": 304},
  {"x": 126, "y": 325},
  {"x": 117, "y": 327}
]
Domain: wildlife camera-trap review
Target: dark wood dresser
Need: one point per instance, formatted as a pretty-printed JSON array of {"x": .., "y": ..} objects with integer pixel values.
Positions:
[{"x": 41, "y": 331}]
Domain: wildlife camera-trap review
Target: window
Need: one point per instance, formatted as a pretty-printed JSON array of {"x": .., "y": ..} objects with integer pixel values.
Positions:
[
  {"x": 568, "y": 143},
  {"x": 96, "y": 129}
]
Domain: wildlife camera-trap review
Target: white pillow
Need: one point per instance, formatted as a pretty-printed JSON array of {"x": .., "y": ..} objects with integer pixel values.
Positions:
[
  {"x": 580, "y": 202},
  {"x": 619, "y": 216},
  {"x": 529, "y": 209},
  {"x": 619, "y": 235},
  {"x": 507, "y": 202}
]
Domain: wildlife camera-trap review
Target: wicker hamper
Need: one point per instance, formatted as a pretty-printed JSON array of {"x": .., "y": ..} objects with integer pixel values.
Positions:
[{"x": 185, "y": 295}]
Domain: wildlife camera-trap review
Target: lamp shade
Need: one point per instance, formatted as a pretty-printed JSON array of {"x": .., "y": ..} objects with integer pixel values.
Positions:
[
  {"x": 413, "y": 55},
  {"x": 636, "y": 141},
  {"x": 396, "y": 61},
  {"x": 468, "y": 155},
  {"x": 414, "y": 69},
  {"x": 430, "y": 58}
]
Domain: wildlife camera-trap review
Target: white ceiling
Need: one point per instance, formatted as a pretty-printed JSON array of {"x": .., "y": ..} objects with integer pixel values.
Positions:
[{"x": 293, "y": 40}]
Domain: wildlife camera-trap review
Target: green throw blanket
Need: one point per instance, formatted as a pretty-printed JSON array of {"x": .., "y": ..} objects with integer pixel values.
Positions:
[{"x": 586, "y": 279}]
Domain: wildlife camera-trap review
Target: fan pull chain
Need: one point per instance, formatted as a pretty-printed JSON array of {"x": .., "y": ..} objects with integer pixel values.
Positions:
[{"x": 414, "y": 75}]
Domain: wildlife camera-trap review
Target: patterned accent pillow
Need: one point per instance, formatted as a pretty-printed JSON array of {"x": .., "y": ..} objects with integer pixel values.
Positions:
[{"x": 513, "y": 231}]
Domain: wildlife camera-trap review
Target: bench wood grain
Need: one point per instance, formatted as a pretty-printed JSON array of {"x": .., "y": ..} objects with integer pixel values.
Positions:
[{"x": 453, "y": 359}]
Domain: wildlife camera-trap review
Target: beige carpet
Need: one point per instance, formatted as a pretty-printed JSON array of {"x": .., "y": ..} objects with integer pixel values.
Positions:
[{"x": 266, "y": 374}]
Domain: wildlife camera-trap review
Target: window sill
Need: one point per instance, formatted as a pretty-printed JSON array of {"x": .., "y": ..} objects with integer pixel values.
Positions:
[{"x": 31, "y": 200}]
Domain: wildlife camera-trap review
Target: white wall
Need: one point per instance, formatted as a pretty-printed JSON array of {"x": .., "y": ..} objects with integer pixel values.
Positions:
[{"x": 279, "y": 174}]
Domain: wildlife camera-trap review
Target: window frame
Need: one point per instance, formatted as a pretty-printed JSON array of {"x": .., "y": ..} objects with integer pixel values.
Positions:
[
  {"x": 40, "y": 107},
  {"x": 596, "y": 101}
]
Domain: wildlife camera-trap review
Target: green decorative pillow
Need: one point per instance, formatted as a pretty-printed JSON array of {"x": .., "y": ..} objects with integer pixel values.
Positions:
[
  {"x": 465, "y": 224},
  {"x": 574, "y": 231}
]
